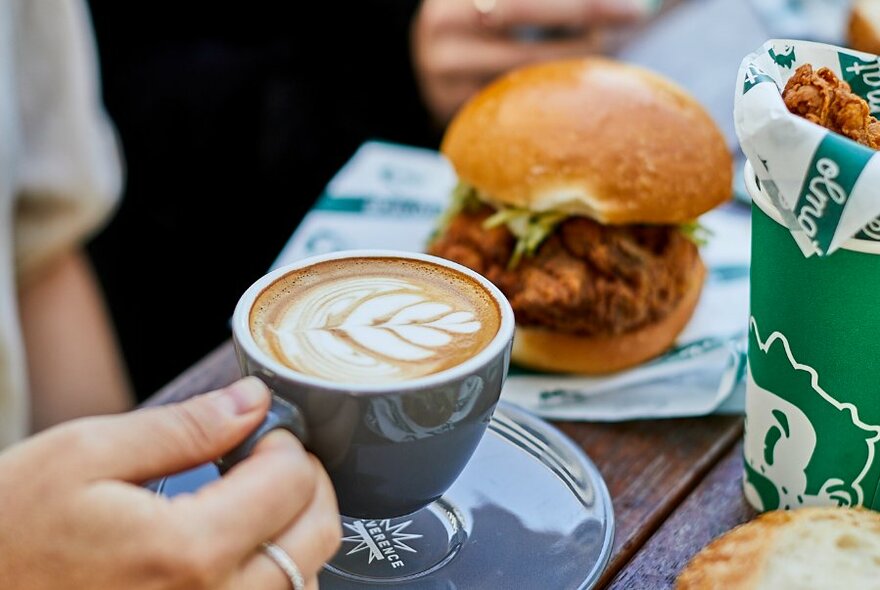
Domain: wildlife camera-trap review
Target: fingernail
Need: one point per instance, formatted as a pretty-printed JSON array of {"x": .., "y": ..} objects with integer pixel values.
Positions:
[{"x": 245, "y": 396}]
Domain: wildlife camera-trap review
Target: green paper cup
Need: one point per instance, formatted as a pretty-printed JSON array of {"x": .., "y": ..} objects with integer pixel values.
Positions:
[{"x": 813, "y": 391}]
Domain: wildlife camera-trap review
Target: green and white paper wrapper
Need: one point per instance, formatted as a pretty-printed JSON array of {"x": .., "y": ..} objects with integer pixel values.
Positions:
[
  {"x": 390, "y": 196},
  {"x": 812, "y": 426},
  {"x": 824, "y": 185},
  {"x": 812, "y": 406}
]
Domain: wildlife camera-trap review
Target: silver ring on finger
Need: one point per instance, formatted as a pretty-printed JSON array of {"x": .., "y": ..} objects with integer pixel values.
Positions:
[{"x": 286, "y": 563}]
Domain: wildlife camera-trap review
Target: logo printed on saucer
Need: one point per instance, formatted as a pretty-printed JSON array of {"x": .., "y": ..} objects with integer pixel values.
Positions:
[{"x": 381, "y": 539}]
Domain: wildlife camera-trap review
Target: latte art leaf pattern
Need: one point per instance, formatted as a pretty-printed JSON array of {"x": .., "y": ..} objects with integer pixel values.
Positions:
[{"x": 374, "y": 329}]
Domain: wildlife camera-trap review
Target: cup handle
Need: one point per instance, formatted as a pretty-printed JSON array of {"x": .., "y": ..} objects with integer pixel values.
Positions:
[{"x": 282, "y": 414}]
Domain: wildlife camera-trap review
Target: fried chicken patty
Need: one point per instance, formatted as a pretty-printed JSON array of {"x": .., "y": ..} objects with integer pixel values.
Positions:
[
  {"x": 821, "y": 97},
  {"x": 586, "y": 278}
]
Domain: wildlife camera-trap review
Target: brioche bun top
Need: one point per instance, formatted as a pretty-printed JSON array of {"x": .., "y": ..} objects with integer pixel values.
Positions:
[{"x": 591, "y": 137}]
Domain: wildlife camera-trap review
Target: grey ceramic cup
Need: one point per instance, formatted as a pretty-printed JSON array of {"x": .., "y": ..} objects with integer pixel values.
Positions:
[{"x": 390, "y": 449}]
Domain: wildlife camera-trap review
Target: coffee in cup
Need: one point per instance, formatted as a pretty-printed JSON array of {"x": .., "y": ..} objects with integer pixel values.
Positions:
[
  {"x": 373, "y": 319},
  {"x": 392, "y": 363}
]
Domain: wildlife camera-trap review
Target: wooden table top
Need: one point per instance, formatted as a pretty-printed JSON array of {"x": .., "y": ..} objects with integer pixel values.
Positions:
[{"x": 675, "y": 484}]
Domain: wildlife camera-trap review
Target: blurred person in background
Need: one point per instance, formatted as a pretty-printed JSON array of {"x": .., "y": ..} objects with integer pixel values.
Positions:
[
  {"x": 73, "y": 513},
  {"x": 59, "y": 179},
  {"x": 233, "y": 119},
  {"x": 458, "y": 46}
]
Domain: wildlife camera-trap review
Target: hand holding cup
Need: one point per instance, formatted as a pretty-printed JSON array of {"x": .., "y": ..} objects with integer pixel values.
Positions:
[{"x": 76, "y": 516}]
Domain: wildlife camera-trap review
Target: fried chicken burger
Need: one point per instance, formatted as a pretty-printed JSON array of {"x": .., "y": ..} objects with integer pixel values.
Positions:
[{"x": 580, "y": 184}]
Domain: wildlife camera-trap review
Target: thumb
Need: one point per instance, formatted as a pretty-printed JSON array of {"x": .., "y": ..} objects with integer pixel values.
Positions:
[
  {"x": 634, "y": 7},
  {"x": 506, "y": 14},
  {"x": 599, "y": 12},
  {"x": 153, "y": 442}
]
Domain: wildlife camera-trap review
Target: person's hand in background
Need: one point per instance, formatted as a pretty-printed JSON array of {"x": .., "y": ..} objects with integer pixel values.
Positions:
[
  {"x": 74, "y": 514},
  {"x": 460, "y": 45}
]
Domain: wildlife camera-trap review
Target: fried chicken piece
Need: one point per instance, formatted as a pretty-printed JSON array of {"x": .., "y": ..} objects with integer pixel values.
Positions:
[
  {"x": 586, "y": 278},
  {"x": 822, "y": 98}
]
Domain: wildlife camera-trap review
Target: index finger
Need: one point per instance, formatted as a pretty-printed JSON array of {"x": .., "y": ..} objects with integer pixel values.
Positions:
[{"x": 256, "y": 499}]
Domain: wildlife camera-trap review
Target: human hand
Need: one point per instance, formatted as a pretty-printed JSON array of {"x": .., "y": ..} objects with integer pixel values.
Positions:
[
  {"x": 73, "y": 515},
  {"x": 460, "y": 45}
]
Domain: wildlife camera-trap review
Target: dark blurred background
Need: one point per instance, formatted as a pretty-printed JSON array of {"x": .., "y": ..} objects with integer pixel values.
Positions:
[{"x": 232, "y": 120}]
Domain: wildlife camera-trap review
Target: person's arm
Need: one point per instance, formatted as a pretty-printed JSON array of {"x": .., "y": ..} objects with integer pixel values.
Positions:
[{"x": 74, "y": 365}]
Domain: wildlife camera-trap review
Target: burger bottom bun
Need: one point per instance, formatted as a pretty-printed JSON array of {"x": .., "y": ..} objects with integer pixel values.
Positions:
[{"x": 546, "y": 350}]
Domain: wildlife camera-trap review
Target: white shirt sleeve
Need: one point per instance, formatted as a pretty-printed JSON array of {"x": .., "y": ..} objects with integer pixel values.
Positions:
[
  {"x": 60, "y": 168},
  {"x": 68, "y": 170}
]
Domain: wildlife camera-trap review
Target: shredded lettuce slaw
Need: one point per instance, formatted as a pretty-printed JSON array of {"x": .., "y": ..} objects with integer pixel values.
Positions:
[{"x": 531, "y": 228}]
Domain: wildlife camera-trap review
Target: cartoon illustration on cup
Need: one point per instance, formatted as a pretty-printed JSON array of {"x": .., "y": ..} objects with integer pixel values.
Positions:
[{"x": 803, "y": 445}]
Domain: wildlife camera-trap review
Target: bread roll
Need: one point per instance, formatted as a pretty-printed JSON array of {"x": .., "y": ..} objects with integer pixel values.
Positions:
[
  {"x": 805, "y": 549},
  {"x": 864, "y": 26}
]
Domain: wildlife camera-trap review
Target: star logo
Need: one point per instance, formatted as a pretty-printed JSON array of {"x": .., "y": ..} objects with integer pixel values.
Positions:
[{"x": 380, "y": 539}]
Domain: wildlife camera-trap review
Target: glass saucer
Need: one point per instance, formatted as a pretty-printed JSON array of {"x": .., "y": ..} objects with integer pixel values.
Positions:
[{"x": 530, "y": 510}]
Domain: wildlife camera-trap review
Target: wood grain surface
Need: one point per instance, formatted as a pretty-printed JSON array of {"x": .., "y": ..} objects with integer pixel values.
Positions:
[
  {"x": 650, "y": 468},
  {"x": 715, "y": 506}
]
